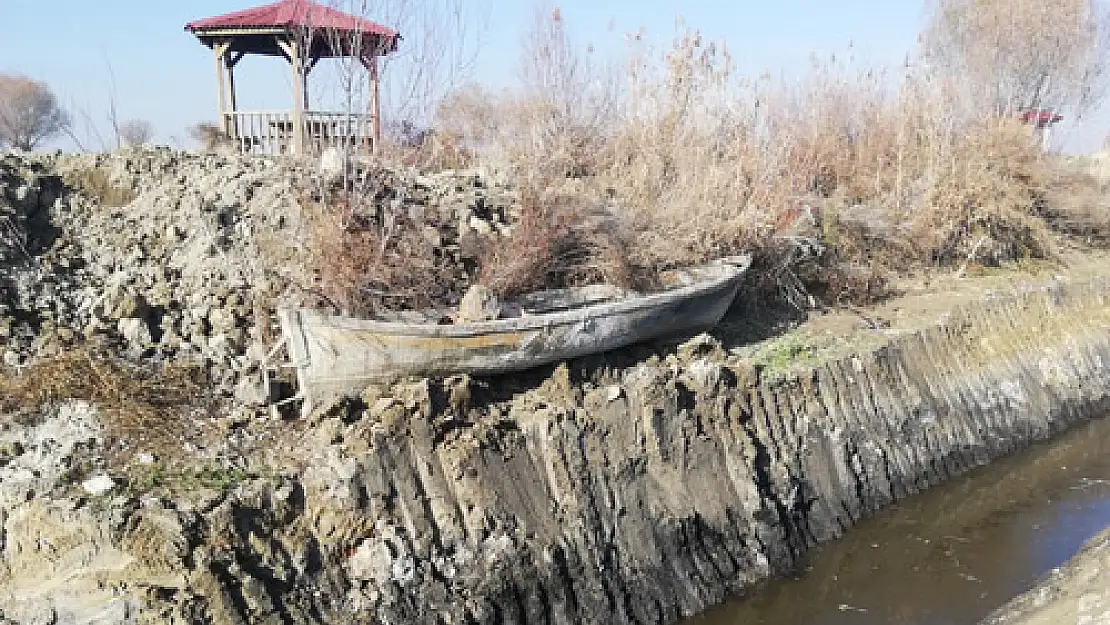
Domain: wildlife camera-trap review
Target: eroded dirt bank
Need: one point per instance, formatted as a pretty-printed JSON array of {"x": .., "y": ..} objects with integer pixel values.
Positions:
[
  {"x": 639, "y": 487},
  {"x": 639, "y": 494}
]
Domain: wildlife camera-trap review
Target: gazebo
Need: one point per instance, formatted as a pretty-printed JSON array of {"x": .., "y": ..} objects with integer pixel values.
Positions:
[
  {"x": 302, "y": 32},
  {"x": 1042, "y": 119}
]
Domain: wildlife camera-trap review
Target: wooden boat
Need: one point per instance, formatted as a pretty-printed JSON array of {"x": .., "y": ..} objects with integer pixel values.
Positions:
[{"x": 338, "y": 356}]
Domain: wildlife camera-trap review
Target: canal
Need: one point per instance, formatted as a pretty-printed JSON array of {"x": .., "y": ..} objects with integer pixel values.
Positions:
[{"x": 951, "y": 555}]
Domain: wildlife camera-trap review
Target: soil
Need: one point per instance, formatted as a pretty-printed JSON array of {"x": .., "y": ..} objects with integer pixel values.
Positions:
[{"x": 1078, "y": 592}]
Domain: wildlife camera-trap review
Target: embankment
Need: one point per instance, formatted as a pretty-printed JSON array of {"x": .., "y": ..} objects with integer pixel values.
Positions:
[
  {"x": 601, "y": 493},
  {"x": 681, "y": 481}
]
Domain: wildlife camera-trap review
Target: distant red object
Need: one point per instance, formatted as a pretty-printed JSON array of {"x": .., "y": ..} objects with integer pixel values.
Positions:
[
  {"x": 1039, "y": 117},
  {"x": 288, "y": 14}
]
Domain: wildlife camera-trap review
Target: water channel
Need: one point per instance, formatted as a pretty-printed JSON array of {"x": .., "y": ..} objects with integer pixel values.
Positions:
[{"x": 951, "y": 555}]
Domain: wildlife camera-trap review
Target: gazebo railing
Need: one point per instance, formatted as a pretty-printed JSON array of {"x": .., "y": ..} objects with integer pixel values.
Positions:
[{"x": 272, "y": 132}]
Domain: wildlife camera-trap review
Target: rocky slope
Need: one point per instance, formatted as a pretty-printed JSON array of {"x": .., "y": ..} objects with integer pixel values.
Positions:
[
  {"x": 163, "y": 256},
  {"x": 633, "y": 488}
]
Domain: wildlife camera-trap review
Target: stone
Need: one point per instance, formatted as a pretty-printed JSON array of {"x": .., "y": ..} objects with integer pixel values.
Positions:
[
  {"x": 222, "y": 320},
  {"x": 613, "y": 393},
  {"x": 381, "y": 405},
  {"x": 479, "y": 303},
  {"x": 99, "y": 485},
  {"x": 135, "y": 332},
  {"x": 132, "y": 306},
  {"x": 251, "y": 391},
  {"x": 480, "y": 226}
]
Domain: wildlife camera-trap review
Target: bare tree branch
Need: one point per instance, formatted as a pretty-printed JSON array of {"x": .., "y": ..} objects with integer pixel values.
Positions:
[
  {"x": 1022, "y": 53},
  {"x": 29, "y": 112}
]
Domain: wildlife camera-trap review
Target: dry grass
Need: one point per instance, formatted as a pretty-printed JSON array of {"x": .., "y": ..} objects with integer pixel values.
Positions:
[
  {"x": 877, "y": 174},
  {"x": 703, "y": 164},
  {"x": 137, "y": 404},
  {"x": 367, "y": 254},
  {"x": 557, "y": 242},
  {"x": 425, "y": 149},
  {"x": 95, "y": 184},
  {"x": 209, "y": 136}
]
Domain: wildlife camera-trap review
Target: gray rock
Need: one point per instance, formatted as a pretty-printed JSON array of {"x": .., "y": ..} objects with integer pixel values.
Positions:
[
  {"x": 135, "y": 332},
  {"x": 479, "y": 304},
  {"x": 481, "y": 226},
  {"x": 99, "y": 485}
]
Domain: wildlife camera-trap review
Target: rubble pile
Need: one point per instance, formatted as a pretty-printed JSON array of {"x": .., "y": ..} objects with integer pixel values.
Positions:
[{"x": 164, "y": 256}]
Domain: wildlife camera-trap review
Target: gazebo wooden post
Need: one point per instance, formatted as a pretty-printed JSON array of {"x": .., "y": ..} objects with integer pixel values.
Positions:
[
  {"x": 309, "y": 66},
  {"x": 375, "y": 104},
  {"x": 220, "y": 50},
  {"x": 293, "y": 50},
  {"x": 287, "y": 29},
  {"x": 374, "y": 107},
  {"x": 231, "y": 123},
  {"x": 231, "y": 60}
]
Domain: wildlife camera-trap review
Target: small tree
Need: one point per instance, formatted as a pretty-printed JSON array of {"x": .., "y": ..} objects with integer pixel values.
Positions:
[
  {"x": 135, "y": 132},
  {"x": 1022, "y": 53},
  {"x": 29, "y": 112}
]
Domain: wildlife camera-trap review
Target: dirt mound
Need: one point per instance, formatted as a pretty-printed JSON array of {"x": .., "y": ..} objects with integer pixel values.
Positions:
[{"x": 162, "y": 256}]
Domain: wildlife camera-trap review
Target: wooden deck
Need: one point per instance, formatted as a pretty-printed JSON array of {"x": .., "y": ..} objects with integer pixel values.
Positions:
[{"x": 273, "y": 132}]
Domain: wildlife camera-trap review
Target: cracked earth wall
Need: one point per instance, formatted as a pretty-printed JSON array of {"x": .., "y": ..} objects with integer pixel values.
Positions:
[
  {"x": 654, "y": 497},
  {"x": 641, "y": 494}
]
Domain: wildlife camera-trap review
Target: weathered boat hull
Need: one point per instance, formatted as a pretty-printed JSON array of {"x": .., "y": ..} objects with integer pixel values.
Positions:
[{"x": 337, "y": 356}]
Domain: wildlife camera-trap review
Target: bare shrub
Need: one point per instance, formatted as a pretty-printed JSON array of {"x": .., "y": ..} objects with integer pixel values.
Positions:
[
  {"x": 369, "y": 255},
  {"x": 426, "y": 149},
  {"x": 208, "y": 135},
  {"x": 1074, "y": 201},
  {"x": 701, "y": 163},
  {"x": 558, "y": 241},
  {"x": 135, "y": 132},
  {"x": 983, "y": 207},
  {"x": 441, "y": 41},
  {"x": 29, "y": 112},
  {"x": 554, "y": 125}
]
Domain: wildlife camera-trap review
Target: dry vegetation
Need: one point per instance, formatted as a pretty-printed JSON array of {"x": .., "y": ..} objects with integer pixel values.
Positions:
[
  {"x": 367, "y": 253},
  {"x": 674, "y": 159},
  {"x": 29, "y": 113},
  {"x": 135, "y": 403},
  {"x": 96, "y": 184},
  {"x": 558, "y": 241},
  {"x": 889, "y": 173}
]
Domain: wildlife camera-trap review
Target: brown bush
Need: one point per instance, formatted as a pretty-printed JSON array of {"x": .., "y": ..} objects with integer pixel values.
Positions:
[
  {"x": 366, "y": 261},
  {"x": 208, "y": 135},
  {"x": 983, "y": 209},
  {"x": 701, "y": 164},
  {"x": 426, "y": 150},
  {"x": 1074, "y": 201},
  {"x": 558, "y": 241}
]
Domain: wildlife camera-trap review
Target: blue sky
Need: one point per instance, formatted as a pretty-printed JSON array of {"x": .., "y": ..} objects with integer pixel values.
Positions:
[{"x": 86, "y": 50}]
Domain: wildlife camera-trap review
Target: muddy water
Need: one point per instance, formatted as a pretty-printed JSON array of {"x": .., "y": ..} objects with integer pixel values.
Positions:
[{"x": 952, "y": 555}]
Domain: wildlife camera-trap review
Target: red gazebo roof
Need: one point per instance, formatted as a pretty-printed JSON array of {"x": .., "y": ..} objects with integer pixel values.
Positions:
[
  {"x": 288, "y": 14},
  {"x": 1039, "y": 117}
]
